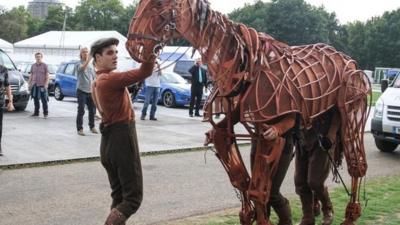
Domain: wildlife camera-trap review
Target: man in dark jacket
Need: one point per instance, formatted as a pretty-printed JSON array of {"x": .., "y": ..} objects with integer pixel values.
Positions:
[
  {"x": 199, "y": 81},
  {"x": 4, "y": 89}
]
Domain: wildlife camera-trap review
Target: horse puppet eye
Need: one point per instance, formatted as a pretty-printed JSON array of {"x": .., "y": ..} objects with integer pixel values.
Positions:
[{"x": 158, "y": 2}]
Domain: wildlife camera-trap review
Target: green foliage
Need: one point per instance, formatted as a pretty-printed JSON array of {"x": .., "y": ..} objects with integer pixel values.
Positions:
[
  {"x": 14, "y": 24},
  {"x": 98, "y": 14},
  {"x": 374, "y": 43},
  {"x": 292, "y": 21},
  {"x": 55, "y": 19}
]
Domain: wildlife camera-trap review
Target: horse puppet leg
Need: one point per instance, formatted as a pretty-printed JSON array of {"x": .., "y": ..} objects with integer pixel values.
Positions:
[
  {"x": 354, "y": 113},
  {"x": 228, "y": 153},
  {"x": 266, "y": 160}
]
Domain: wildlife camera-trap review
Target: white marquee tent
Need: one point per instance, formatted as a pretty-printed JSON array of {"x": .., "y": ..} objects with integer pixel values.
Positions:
[
  {"x": 58, "y": 46},
  {"x": 6, "y": 46}
]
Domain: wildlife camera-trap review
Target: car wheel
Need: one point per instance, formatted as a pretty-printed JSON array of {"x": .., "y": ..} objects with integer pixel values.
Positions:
[
  {"x": 58, "y": 95},
  {"x": 169, "y": 99},
  {"x": 385, "y": 146},
  {"x": 20, "y": 108}
]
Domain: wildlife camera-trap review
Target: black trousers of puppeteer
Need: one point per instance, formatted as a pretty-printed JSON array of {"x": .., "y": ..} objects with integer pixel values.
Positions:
[{"x": 119, "y": 153}]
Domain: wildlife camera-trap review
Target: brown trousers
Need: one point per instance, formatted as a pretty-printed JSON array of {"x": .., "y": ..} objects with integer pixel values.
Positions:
[
  {"x": 276, "y": 198},
  {"x": 312, "y": 167},
  {"x": 119, "y": 153}
]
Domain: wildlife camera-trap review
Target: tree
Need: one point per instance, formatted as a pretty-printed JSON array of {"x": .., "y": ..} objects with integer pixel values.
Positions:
[
  {"x": 124, "y": 19},
  {"x": 14, "y": 22},
  {"x": 292, "y": 21},
  {"x": 98, "y": 14},
  {"x": 382, "y": 40},
  {"x": 55, "y": 19}
]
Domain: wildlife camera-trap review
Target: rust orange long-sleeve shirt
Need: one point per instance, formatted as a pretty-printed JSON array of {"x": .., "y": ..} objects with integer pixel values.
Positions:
[{"x": 111, "y": 95}]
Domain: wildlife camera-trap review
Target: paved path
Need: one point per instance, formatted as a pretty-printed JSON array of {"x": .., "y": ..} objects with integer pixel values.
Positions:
[
  {"x": 176, "y": 186},
  {"x": 32, "y": 140}
]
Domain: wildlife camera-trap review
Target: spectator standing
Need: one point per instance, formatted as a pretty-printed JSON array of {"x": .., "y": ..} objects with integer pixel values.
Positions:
[
  {"x": 199, "y": 81},
  {"x": 38, "y": 83},
  {"x": 85, "y": 77},
  {"x": 4, "y": 88},
  {"x": 152, "y": 91}
]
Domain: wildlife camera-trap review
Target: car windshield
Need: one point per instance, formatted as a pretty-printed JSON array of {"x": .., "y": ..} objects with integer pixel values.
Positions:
[
  {"x": 396, "y": 83},
  {"x": 183, "y": 66},
  {"x": 172, "y": 78},
  {"x": 6, "y": 61},
  {"x": 172, "y": 56},
  {"x": 52, "y": 68}
]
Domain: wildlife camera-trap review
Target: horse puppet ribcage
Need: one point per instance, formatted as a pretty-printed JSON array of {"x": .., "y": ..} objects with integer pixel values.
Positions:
[
  {"x": 312, "y": 80},
  {"x": 261, "y": 82}
]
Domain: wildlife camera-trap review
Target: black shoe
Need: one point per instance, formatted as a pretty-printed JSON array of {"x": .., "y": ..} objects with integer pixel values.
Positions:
[
  {"x": 35, "y": 114},
  {"x": 198, "y": 115},
  {"x": 153, "y": 118},
  {"x": 143, "y": 117},
  {"x": 190, "y": 115},
  {"x": 45, "y": 116}
]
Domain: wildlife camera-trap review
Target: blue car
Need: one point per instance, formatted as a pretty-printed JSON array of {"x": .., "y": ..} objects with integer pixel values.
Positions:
[
  {"x": 174, "y": 91},
  {"x": 65, "y": 82}
]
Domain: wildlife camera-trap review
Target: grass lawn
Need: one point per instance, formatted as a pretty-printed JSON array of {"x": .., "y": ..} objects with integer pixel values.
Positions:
[
  {"x": 375, "y": 96},
  {"x": 383, "y": 207}
]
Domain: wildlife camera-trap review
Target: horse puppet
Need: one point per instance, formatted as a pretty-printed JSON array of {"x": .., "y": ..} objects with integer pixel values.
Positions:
[{"x": 260, "y": 80}]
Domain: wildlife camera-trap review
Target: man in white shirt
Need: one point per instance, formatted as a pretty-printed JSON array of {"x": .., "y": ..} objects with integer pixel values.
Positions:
[{"x": 152, "y": 90}]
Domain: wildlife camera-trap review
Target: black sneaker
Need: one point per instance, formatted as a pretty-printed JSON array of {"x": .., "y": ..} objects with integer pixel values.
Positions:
[
  {"x": 45, "y": 116},
  {"x": 198, "y": 115},
  {"x": 153, "y": 118},
  {"x": 143, "y": 117},
  {"x": 35, "y": 114},
  {"x": 190, "y": 115}
]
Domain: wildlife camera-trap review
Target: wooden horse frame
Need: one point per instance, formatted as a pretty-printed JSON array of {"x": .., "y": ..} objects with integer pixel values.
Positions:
[{"x": 261, "y": 80}]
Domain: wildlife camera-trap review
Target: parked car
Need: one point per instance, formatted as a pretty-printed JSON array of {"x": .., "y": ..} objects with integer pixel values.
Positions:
[
  {"x": 385, "y": 125},
  {"x": 177, "y": 62},
  {"x": 65, "y": 82},
  {"x": 19, "y": 86},
  {"x": 174, "y": 91},
  {"x": 25, "y": 68}
]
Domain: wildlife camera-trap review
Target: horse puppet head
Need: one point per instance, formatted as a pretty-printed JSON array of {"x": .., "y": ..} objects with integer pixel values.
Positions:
[{"x": 153, "y": 25}]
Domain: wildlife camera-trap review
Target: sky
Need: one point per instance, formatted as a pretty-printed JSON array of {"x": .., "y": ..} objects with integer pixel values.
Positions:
[{"x": 346, "y": 10}]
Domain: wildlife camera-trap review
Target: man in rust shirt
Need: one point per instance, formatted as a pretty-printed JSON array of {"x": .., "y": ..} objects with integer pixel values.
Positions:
[{"x": 119, "y": 151}]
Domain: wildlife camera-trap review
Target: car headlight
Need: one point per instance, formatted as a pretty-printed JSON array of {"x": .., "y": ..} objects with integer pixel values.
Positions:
[
  {"x": 379, "y": 108},
  {"x": 24, "y": 87}
]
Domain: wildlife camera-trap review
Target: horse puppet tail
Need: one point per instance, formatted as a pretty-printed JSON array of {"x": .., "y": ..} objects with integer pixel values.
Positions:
[{"x": 354, "y": 111}]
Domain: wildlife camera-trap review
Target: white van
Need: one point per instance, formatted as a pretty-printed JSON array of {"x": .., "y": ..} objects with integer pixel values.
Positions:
[{"x": 385, "y": 125}]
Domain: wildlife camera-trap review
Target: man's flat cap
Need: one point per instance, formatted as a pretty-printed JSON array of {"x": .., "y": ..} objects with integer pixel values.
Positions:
[{"x": 98, "y": 45}]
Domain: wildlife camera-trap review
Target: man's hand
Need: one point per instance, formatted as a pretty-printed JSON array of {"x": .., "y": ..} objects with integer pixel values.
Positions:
[
  {"x": 10, "y": 107},
  {"x": 271, "y": 133},
  {"x": 209, "y": 137}
]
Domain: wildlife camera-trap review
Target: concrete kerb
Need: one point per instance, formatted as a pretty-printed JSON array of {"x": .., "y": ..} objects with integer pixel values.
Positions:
[{"x": 97, "y": 158}]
